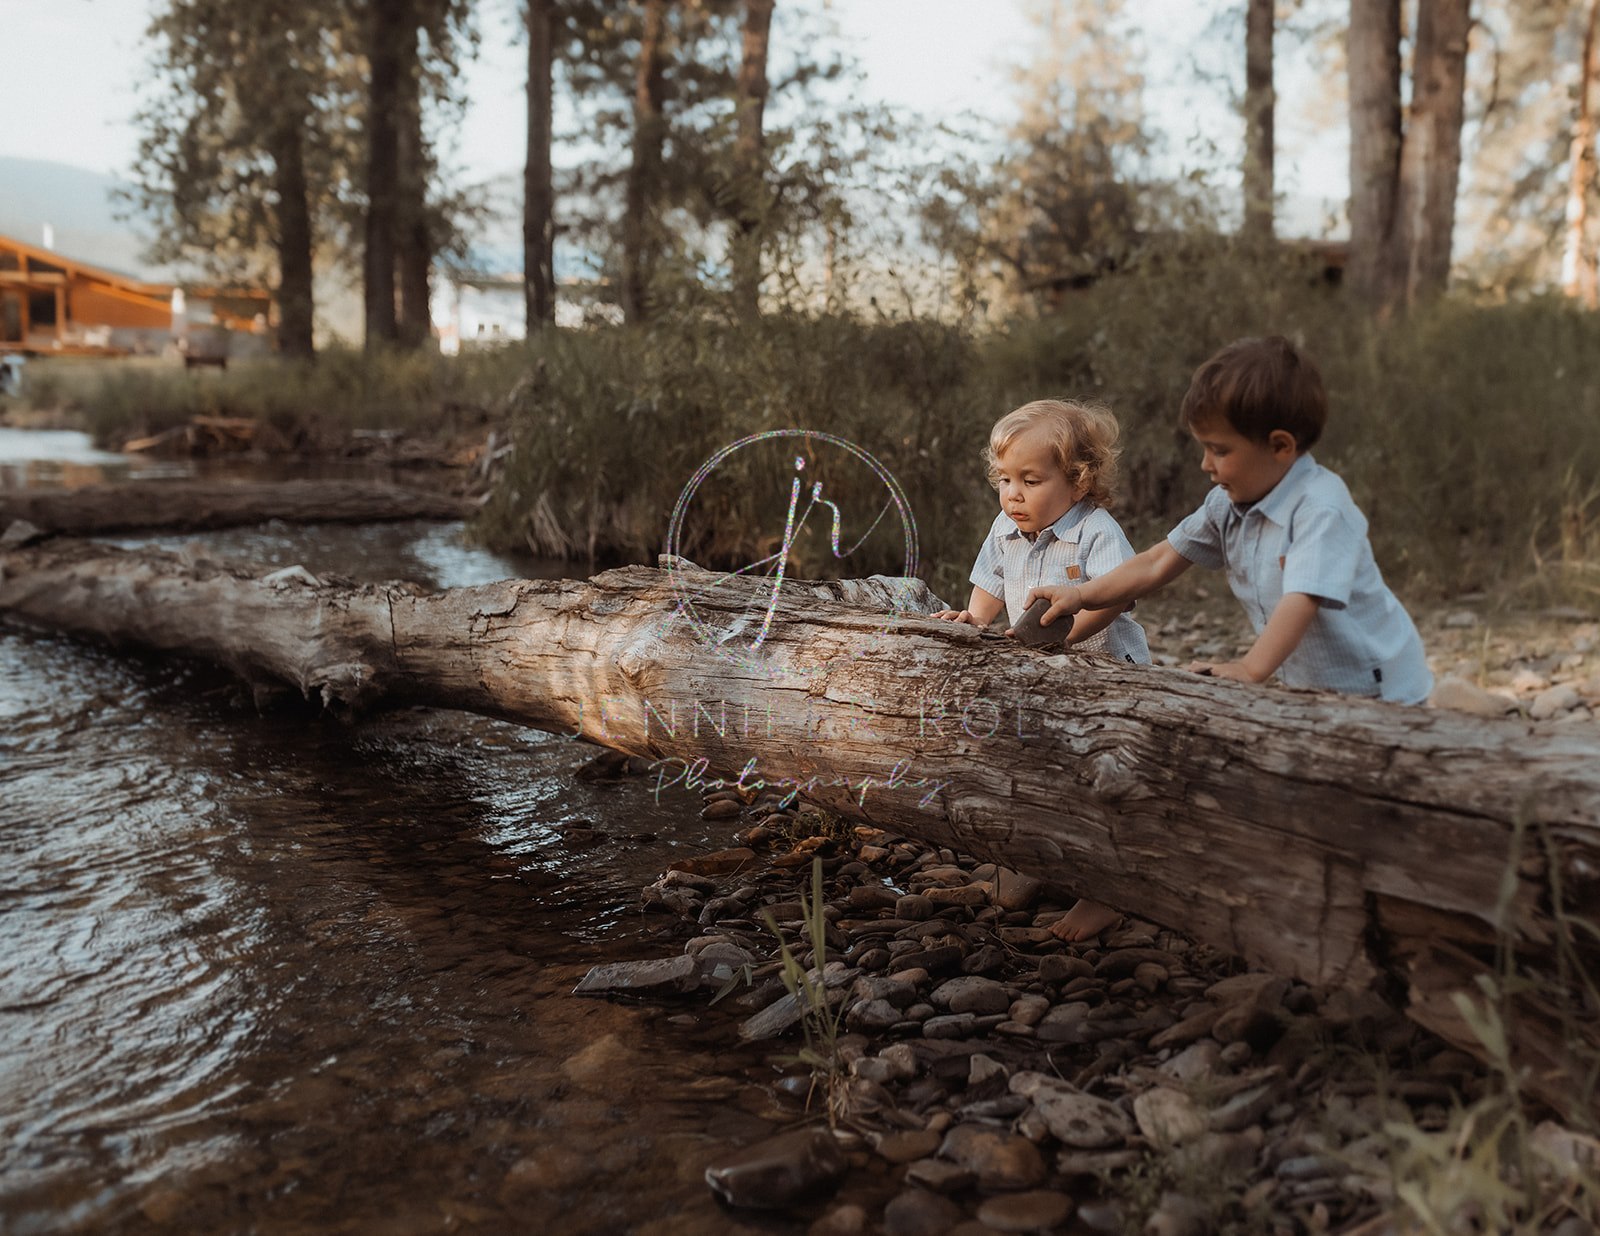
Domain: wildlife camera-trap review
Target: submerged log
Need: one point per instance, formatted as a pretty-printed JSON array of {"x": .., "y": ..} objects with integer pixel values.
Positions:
[
  {"x": 193, "y": 506},
  {"x": 1332, "y": 839}
]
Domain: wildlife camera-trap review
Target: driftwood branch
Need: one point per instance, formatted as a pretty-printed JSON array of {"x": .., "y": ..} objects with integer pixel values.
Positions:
[
  {"x": 192, "y": 506},
  {"x": 1333, "y": 839}
]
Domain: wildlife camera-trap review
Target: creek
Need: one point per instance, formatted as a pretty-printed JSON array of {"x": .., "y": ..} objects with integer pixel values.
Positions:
[{"x": 282, "y": 973}]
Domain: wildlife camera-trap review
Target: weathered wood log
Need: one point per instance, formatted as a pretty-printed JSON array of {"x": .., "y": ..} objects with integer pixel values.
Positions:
[
  {"x": 192, "y": 506},
  {"x": 1337, "y": 840}
]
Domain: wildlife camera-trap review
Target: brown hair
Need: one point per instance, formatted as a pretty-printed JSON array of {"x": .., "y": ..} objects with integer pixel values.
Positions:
[
  {"x": 1257, "y": 386},
  {"x": 1082, "y": 437}
]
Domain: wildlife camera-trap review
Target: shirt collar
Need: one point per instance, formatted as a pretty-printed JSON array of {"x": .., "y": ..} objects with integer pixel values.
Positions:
[
  {"x": 1068, "y": 528},
  {"x": 1281, "y": 496}
]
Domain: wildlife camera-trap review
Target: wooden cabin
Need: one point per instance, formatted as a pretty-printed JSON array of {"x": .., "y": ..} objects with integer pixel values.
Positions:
[{"x": 51, "y": 304}]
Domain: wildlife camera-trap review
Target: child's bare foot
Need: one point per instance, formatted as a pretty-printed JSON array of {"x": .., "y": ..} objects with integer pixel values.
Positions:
[{"x": 1084, "y": 921}]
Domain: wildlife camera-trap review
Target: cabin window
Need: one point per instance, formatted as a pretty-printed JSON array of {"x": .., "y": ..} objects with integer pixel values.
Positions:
[
  {"x": 11, "y": 318},
  {"x": 42, "y": 309}
]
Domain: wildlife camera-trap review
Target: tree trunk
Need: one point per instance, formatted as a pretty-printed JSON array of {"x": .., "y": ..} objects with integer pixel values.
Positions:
[
  {"x": 413, "y": 243},
  {"x": 538, "y": 210},
  {"x": 1373, "y": 53},
  {"x": 1430, "y": 161},
  {"x": 189, "y": 506},
  {"x": 644, "y": 175},
  {"x": 750, "y": 160},
  {"x": 1334, "y": 839},
  {"x": 1259, "y": 108},
  {"x": 387, "y": 23},
  {"x": 293, "y": 234},
  {"x": 1578, "y": 264},
  {"x": 1403, "y": 174}
]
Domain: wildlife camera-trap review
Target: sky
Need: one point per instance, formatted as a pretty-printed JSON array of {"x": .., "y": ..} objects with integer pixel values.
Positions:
[{"x": 73, "y": 70}]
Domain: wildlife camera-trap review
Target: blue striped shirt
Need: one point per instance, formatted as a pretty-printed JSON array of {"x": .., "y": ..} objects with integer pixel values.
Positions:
[
  {"x": 1082, "y": 545},
  {"x": 1308, "y": 536}
]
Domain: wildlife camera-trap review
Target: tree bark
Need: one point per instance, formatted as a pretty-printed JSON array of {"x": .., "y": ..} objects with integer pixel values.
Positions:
[
  {"x": 387, "y": 21},
  {"x": 1578, "y": 264},
  {"x": 1430, "y": 161},
  {"x": 538, "y": 210},
  {"x": 750, "y": 160},
  {"x": 188, "y": 506},
  {"x": 1373, "y": 53},
  {"x": 1333, "y": 839},
  {"x": 296, "y": 307},
  {"x": 1404, "y": 171},
  {"x": 1259, "y": 109},
  {"x": 413, "y": 241},
  {"x": 644, "y": 175}
]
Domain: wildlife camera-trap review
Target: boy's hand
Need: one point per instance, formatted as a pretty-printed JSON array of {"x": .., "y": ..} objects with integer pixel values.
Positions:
[
  {"x": 1063, "y": 598},
  {"x": 1235, "y": 670},
  {"x": 957, "y": 615}
]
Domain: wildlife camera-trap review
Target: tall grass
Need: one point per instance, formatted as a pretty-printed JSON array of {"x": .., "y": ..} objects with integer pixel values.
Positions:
[{"x": 1468, "y": 432}]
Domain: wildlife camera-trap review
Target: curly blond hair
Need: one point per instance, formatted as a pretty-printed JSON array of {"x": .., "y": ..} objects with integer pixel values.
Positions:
[{"x": 1083, "y": 442}]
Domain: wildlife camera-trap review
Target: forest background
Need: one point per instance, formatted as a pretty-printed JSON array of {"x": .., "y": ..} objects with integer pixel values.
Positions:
[{"x": 742, "y": 246}]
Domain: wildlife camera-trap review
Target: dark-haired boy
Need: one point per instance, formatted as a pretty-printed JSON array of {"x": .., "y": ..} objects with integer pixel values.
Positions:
[{"x": 1293, "y": 543}]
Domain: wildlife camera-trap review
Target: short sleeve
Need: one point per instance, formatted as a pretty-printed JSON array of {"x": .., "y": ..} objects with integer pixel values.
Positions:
[
  {"x": 1199, "y": 538},
  {"x": 1104, "y": 546},
  {"x": 1323, "y": 556},
  {"x": 988, "y": 572}
]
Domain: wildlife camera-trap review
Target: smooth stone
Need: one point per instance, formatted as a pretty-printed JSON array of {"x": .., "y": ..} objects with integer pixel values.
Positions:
[
  {"x": 1558, "y": 699},
  {"x": 872, "y": 897},
  {"x": 1063, "y": 1024},
  {"x": 913, "y": 906},
  {"x": 873, "y": 1070},
  {"x": 917, "y": 1212},
  {"x": 971, "y": 994},
  {"x": 896, "y": 989},
  {"x": 1459, "y": 695},
  {"x": 940, "y": 960},
  {"x": 938, "y": 1175},
  {"x": 1149, "y": 976},
  {"x": 724, "y": 810},
  {"x": 1250, "y": 988},
  {"x": 949, "y": 1026},
  {"x": 873, "y": 1015},
  {"x": 781, "y": 1171},
  {"x": 1029, "y": 1010},
  {"x": 1075, "y": 1119},
  {"x": 907, "y": 1145},
  {"x": 1244, "y": 1109},
  {"x": 1096, "y": 1162},
  {"x": 1015, "y": 891},
  {"x": 669, "y": 974},
  {"x": 980, "y": 1068},
  {"x": 1195, "y": 1061},
  {"x": 962, "y": 895},
  {"x": 990, "y": 959},
  {"x": 997, "y": 1159},
  {"x": 1025, "y": 1212},
  {"x": 1063, "y": 967},
  {"x": 1168, "y": 1117}
]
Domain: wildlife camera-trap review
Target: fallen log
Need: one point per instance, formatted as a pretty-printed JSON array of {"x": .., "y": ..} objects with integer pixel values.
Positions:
[
  {"x": 1337, "y": 840},
  {"x": 193, "y": 506}
]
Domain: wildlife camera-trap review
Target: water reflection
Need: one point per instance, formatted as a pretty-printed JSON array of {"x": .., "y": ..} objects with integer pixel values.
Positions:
[{"x": 282, "y": 973}]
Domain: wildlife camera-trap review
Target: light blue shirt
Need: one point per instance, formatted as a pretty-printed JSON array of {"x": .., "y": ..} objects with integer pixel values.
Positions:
[
  {"x": 1082, "y": 545},
  {"x": 1308, "y": 536}
]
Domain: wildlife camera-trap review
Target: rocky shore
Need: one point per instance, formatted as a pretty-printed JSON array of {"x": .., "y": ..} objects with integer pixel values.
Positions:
[{"x": 976, "y": 1075}]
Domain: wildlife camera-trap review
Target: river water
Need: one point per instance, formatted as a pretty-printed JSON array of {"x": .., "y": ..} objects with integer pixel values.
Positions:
[{"x": 277, "y": 973}]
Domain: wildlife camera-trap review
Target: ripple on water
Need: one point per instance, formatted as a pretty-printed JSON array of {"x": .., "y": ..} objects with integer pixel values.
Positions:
[{"x": 279, "y": 970}]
